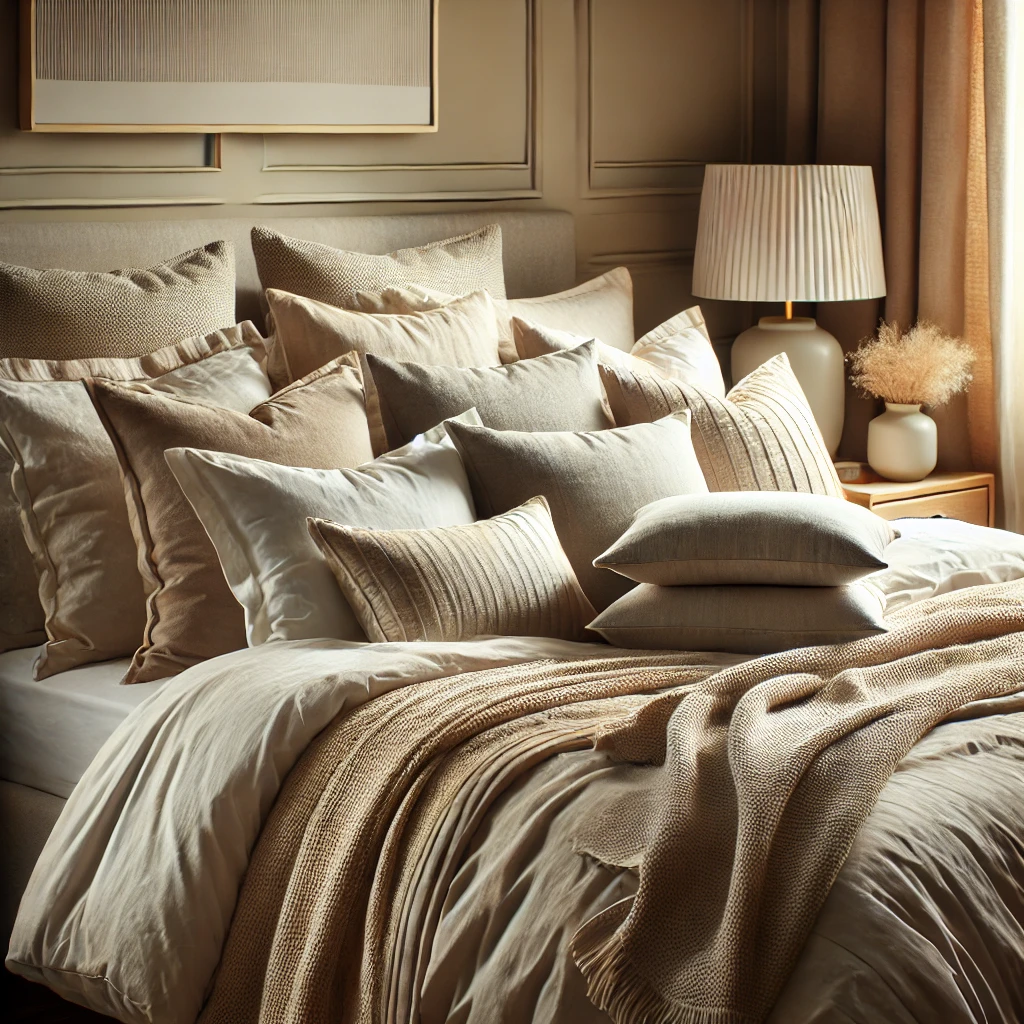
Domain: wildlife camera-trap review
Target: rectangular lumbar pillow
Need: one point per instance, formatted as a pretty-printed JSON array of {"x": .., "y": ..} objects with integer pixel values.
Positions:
[
  {"x": 319, "y": 421},
  {"x": 741, "y": 619},
  {"x": 255, "y": 513},
  {"x": 562, "y": 391},
  {"x": 505, "y": 576},
  {"x": 594, "y": 482},
  {"x": 68, "y": 485},
  {"x": 761, "y": 437},
  {"x": 757, "y": 537}
]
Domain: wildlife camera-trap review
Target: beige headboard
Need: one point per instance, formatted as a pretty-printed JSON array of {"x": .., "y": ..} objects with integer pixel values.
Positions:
[{"x": 539, "y": 246}]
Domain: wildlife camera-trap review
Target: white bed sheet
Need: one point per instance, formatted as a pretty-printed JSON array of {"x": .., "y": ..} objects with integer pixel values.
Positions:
[{"x": 51, "y": 729}]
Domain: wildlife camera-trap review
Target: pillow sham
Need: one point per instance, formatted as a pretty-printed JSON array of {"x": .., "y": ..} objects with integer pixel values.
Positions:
[
  {"x": 594, "y": 482},
  {"x": 69, "y": 314},
  {"x": 761, "y": 437},
  {"x": 505, "y": 576},
  {"x": 255, "y": 514},
  {"x": 319, "y": 421},
  {"x": 678, "y": 349},
  {"x": 740, "y": 620},
  {"x": 756, "y": 537},
  {"x": 562, "y": 391},
  {"x": 68, "y": 485}
]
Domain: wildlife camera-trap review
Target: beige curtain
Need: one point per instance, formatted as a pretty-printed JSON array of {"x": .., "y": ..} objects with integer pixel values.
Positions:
[{"x": 899, "y": 85}]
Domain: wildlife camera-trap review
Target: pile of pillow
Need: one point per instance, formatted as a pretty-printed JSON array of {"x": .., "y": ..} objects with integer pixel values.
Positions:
[{"x": 184, "y": 486}]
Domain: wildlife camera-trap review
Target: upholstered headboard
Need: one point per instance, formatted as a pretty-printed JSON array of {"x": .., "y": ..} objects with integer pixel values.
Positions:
[{"x": 539, "y": 246}]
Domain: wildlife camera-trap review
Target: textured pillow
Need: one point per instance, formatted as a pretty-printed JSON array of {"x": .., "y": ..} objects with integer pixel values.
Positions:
[
  {"x": 562, "y": 391},
  {"x": 505, "y": 576},
  {"x": 594, "y": 482},
  {"x": 741, "y": 620},
  {"x": 762, "y": 537},
  {"x": 68, "y": 484},
  {"x": 68, "y": 314},
  {"x": 255, "y": 514},
  {"x": 319, "y": 421},
  {"x": 308, "y": 334},
  {"x": 761, "y": 437},
  {"x": 679, "y": 349}
]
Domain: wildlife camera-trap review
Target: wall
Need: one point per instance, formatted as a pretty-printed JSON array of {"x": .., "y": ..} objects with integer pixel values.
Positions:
[{"x": 606, "y": 108}]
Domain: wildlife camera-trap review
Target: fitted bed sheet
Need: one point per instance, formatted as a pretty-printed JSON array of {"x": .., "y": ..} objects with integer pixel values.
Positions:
[{"x": 52, "y": 728}]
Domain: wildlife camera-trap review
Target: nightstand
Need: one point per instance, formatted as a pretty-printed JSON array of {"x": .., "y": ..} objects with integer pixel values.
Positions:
[{"x": 966, "y": 496}]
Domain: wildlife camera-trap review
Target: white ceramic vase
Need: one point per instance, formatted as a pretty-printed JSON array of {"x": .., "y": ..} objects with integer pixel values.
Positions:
[{"x": 902, "y": 443}]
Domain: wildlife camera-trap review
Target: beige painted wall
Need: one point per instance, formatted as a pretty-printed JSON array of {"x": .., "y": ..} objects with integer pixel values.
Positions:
[{"x": 606, "y": 108}]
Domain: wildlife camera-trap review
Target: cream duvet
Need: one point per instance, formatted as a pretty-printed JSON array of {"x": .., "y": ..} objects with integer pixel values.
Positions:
[{"x": 489, "y": 870}]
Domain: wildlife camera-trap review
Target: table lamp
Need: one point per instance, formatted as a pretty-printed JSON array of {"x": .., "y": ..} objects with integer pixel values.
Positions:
[{"x": 791, "y": 233}]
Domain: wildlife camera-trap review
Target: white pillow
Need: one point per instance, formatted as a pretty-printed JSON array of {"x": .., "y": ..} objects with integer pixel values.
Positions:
[{"x": 255, "y": 514}]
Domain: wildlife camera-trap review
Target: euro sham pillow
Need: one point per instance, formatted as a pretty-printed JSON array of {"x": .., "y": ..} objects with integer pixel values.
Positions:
[
  {"x": 761, "y": 437},
  {"x": 740, "y": 620},
  {"x": 319, "y": 421},
  {"x": 255, "y": 514},
  {"x": 506, "y": 576},
  {"x": 594, "y": 482},
  {"x": 751, "y": 537},
  {"x": 70, "y": 314},
  {"x": 68, "y": 486},
  {"x": 562, "y": 391}
]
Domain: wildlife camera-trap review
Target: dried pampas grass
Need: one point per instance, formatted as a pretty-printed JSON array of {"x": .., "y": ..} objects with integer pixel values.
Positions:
[{"x": 923, "y": 366}]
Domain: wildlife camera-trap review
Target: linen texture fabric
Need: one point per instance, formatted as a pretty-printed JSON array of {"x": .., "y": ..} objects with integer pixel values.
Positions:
[
  {"x": 69, "y": 314},
  {"x": 594, "y": 482},
  {"x": 755, "y": 537},
  {"x": 319, "y": 422},
  {"x": 67, "y": 484},
  {"x": 505, "y": 576},
  {"x": 740, "y": 619},
  {"x": 761, "y": 437},
  {"x": 562, "y": 391},
  {"x": 255, "y": 515}
]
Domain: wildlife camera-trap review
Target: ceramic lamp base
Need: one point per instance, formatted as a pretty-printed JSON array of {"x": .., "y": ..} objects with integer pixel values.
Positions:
[{"x": 817, "y": 361}]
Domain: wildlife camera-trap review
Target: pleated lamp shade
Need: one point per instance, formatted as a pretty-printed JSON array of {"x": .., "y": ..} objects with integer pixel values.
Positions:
[{"x": 776, "y": 233}]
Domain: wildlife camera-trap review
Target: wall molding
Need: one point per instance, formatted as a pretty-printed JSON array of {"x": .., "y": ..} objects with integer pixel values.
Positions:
[
  {"x": 639, "y": 261},
  {"x": 92, "y": 202}
]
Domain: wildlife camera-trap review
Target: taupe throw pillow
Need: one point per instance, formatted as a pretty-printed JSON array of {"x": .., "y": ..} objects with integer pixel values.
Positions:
[
  {"x": 594, "y": 482},
  {"x": 319, "y": 422},
  {"x": 505, "y": 576},
  {"x": 762, "y": 537},
  {"x": 761, "y": 437},
  {"x": 557, "y": 392}
]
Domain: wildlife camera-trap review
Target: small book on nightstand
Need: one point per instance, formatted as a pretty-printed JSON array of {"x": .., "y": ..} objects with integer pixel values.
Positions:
[{"x": 966, "y": 496}]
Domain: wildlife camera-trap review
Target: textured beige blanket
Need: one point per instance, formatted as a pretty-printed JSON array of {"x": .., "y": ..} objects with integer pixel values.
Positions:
[{"x": 768, "y": 770}]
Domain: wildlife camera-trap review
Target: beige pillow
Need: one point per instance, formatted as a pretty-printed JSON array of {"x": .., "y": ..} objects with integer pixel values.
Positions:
[
  {"x": 255, "y": 514},
  {"x": 319, "y": 421},
  {"x": 68, "y": 485},
  {"x": 740, "y": 620},
  {"x": 756, "y": 537},
  {"x": 761, "y": 437},
  {"x": 505, "y": 576},
  {"x": 594, "y": 482},
  {"x": 69, "y": 314},
  {"x": 558, "y": 392}
]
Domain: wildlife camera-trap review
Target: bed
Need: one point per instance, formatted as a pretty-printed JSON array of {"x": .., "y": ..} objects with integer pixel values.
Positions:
[{"x": 485, "y": 830}]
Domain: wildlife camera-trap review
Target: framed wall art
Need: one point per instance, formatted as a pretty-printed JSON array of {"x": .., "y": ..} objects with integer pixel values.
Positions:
[{"x": 228, "y": 65}]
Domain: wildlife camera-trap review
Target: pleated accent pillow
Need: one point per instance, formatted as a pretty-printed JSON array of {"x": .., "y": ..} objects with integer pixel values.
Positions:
[
  {"x": 761, "y": 437},
  {"x": 505, "y": 576}
]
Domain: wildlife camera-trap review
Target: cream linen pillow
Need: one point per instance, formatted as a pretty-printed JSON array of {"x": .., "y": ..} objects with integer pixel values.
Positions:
[
  {"x": 759, "y": 537},
  {"x": 562, "y": 391},
  {"x": 741, "y": 620},
  {"x": 255, "y": 514},
  {"x": 319, "y": 421},
  {"x": 761, "y": 437},
  {"x": 68, "y": 485},
  {"x": 505, "y": 576},
  {"x": 594, "y": 482}
]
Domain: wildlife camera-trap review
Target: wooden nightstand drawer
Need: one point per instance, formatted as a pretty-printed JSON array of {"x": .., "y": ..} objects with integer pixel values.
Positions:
[{"x": 970, "y": 506}]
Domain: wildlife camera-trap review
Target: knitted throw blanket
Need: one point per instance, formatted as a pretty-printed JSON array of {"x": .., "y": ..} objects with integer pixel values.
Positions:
[{"x": 765, "y": 772}]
